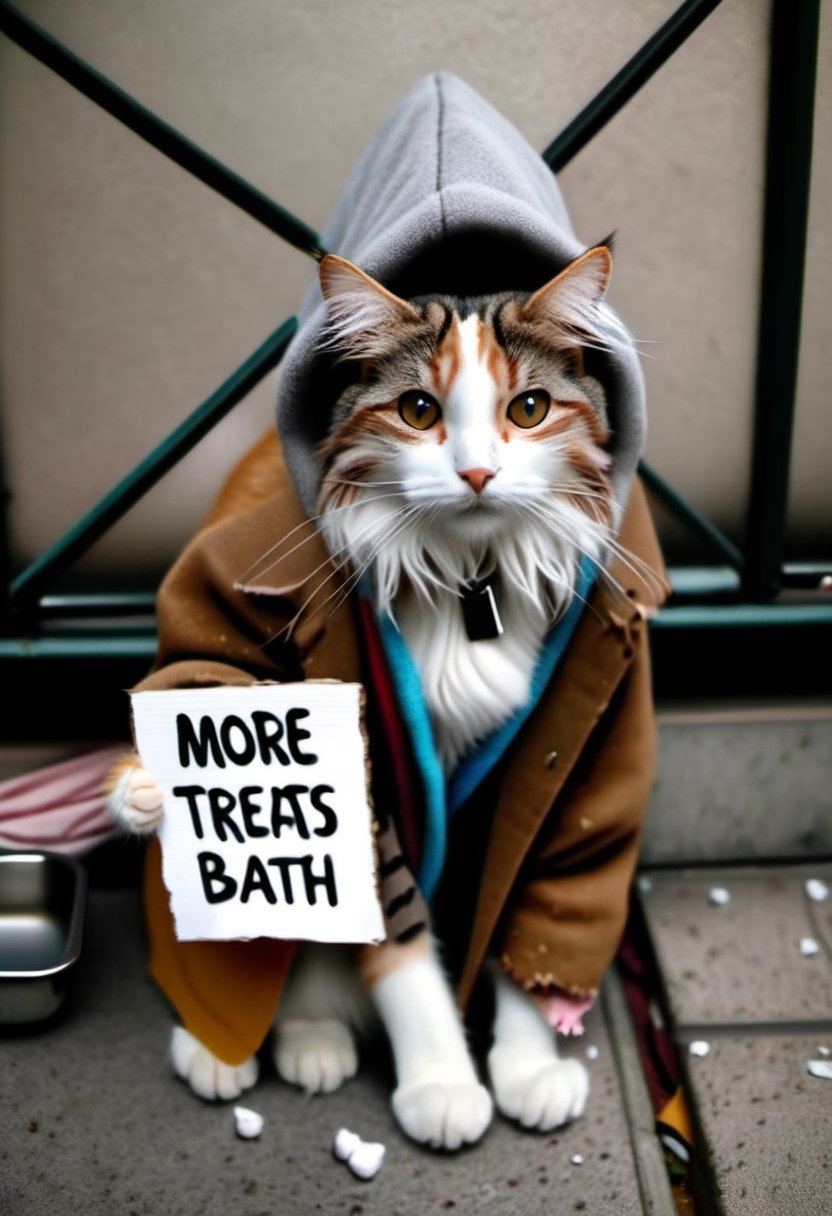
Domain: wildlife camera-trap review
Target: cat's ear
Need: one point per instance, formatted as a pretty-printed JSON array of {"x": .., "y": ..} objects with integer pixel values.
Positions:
[
  {"x": 570, "y": 299},
  {"x": 365, "y": 319}
]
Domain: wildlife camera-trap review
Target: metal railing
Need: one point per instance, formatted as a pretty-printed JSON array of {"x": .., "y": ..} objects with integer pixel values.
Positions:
[{"x": 742, "y": 588}]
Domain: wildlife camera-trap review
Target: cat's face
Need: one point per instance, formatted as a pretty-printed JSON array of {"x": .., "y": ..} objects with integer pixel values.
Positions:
[{"x": 471, "y": 421}]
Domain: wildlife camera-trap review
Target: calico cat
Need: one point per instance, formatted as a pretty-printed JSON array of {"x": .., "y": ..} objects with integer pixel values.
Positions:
[{"x": 468, "y": 452}]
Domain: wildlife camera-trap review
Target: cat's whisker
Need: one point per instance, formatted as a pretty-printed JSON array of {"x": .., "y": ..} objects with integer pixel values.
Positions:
[
  {"x": 636, "y": 565},
  {"x": 338, "y": 558},
  {"x": 366, "y": 485},
  {"x": 288, "y": 629},
  {"x": 361, "y": 569},
  {"x": 559, "y": 528},
  {"x": 331, "y": 559},
  {"x": 400, "y": 522},
  {"x": 577, "y": 492},
  {"x": 257, "y": 571},
  {"x": 416, "y": 568},
  {"x": 425, "y": 576},
  {"x": 572, "y": 593},
  {"x": 254, "y": 570},
  {"x": 639, "y": 568}
]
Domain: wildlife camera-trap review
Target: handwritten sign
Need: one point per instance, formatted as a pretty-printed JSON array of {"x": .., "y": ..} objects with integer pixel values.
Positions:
[{"x": 267, "y": 830}]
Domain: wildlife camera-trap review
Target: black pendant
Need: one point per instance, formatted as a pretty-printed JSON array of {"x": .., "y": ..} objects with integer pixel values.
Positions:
[{"x": 480, "y": 612}]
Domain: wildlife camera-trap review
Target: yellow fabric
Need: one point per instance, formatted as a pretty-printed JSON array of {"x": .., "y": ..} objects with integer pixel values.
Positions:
[
  {"x": 226, "y": 993},
  {"x": 675, "y": 1115}
]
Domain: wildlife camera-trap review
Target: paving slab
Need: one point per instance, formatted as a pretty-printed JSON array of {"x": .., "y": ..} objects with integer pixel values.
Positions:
[
  {"x": 765, "y": 1124},
  {"x": 92, "y": 1121},
  {"x": 739, "y": 963},
  {"x": 748, "y": 1011}
]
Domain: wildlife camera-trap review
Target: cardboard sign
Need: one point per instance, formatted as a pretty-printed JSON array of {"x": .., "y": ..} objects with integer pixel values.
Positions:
[{"x": 267, "y": 830}]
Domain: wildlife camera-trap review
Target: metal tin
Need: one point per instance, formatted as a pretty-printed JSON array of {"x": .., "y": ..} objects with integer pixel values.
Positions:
[{"x": 42, "y": 904}]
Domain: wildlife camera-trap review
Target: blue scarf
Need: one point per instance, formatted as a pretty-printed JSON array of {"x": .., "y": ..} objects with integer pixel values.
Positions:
[{"x": 443, "y": 799}]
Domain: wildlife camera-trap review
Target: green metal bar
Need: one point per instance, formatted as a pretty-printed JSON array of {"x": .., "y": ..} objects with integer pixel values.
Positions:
[
  {"x": 119, "y": 646},
  {"x": 142, "y": 644},
  {"x": 155, "y": 131},
  {"x": 627, "y": 82},
  {"x": 683, "y": 510},
  {"x": 794, "y": 43},
  {"x": 697, "y": 584},
  {"x": 28, "y": 586},
  {"x": 808, "y": 575},
  {"x": 85, "y": 606},
  {"x": 741, "y": 616}
]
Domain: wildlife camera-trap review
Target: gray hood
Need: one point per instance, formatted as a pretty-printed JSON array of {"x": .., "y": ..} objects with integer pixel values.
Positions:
[{"x": 448, "y": 197}]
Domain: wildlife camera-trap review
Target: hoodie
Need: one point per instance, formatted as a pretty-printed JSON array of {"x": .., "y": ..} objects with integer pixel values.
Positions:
[{"x": 448, "y": 197}]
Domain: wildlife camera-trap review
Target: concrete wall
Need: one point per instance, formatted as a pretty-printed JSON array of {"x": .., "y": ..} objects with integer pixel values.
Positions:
[{"x": 129, "y": 291}]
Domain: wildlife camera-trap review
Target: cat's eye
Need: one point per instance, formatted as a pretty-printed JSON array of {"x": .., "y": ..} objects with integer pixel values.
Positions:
[
  {"x": 529, "y": 408},
  {"x": 419, "y": 409}
]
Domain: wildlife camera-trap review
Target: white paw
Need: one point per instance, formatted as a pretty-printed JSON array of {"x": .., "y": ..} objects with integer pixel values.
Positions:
[
  {"x": 136, "y": 801},
  {"x": 539, "y": 1091},
  {"x": 317, "y": 1055},
  {"x": 208, "y": 1076},
  {"x": 443, "y": 1114}
]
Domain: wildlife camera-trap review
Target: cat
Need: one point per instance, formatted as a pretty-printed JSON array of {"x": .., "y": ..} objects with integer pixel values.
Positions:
[{"x": 467, "y": 452}]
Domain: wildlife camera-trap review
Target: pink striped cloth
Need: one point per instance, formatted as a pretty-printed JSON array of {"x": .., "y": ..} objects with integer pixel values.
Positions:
[{"x": 61, "y": 807}]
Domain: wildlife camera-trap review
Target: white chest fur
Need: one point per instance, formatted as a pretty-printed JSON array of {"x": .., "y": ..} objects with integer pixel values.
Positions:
[{"x": 470, "y": 688}]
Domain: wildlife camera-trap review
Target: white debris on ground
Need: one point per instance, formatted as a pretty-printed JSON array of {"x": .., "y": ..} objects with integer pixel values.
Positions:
[
  {"x": 346, "y": 1142},
  {"x": 576, "y": 1159},
  {"x": 248, "y": 1123},
  {"x": 821, "y": 1068},
  {"x": 817, "y": 890},
  {"x": 364, "y": 1158},
  {"x": 699, "y": 1047},
  {"x": 718, "y": 896},
  {"x": 592, "y": 1052},
  {"x": 824, "y": 1051},
  {"x": 808, "y": 947}
]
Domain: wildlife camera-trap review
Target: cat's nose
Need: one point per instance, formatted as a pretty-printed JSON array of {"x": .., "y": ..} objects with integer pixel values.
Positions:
[{"x": 477, "y": 478}]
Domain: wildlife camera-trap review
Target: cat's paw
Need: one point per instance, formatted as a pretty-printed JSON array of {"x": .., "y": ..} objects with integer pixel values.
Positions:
[
  {"x": 538, "y": 1091},
  {"x": 443, "y": 1114},
  {"x": 136, "y": 801},
  {"x": 316, "y": 1055},
  {"x": 208, "y": 1076}
]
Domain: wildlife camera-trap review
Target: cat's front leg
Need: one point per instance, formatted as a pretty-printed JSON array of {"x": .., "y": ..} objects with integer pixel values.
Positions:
[
  {"x": 209, "y": 1076},
  {"x": 531, "y": 1084},
  {"x": 438, "y": 1098}
]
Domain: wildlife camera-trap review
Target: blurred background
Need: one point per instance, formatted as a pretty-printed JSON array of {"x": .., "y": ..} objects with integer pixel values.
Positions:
[{"x": 129, "y": 290}]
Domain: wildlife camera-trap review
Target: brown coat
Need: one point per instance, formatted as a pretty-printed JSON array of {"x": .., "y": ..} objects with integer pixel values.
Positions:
[{"x": 552, "y": 897}]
